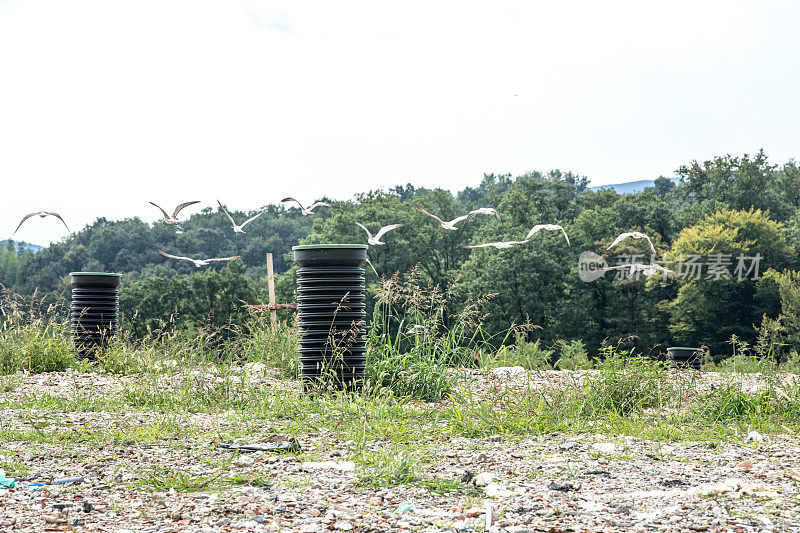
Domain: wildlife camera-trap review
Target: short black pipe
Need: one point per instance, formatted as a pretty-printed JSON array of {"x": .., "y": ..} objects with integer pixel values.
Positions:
[
  {"x": 94, "y": 312},
  {"x": 331, "y": 312},
  {"x": 682, "y": 357}
]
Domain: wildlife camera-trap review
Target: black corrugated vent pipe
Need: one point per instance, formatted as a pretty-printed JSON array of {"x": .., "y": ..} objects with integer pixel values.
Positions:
[
  {"x": 682, "y": 357},
  {"x": 331, "y": 306},
  {"x": 94, "y": 313}
]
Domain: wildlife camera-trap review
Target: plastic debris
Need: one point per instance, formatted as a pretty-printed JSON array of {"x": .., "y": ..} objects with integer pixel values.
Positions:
[
  {"x": 344, "y": 466},
  {"x": 754, "y": 436},
  {"x": 62, "y": 506},
  {"x": 6, "y": 482},
  {"x": 483, "y": 479},
  {"x": 404, "y": 507},
  {"x": 68, "y": 480},
  {"x": 563, "y": 487},
  {"x": 274, "y": 443},
  {"x": 498, "y": 490},
  {"x": 604, "y": 447}
]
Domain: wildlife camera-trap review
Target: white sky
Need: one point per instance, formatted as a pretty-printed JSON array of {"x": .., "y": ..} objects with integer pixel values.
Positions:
[{"x": 250, "y": 101}]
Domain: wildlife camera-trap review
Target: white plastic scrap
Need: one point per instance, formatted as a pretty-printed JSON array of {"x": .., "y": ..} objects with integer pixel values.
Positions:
[
  {"x": 604, "y": 447},
  {"x": 343, "y": 466},
  {"x": 754, "y": 436},
  {"x": 508, "y": 371},
  {"x": 496, "y": 490},
  {"x": 734, "y": 487},
  {"x": 484, "y": 478}
]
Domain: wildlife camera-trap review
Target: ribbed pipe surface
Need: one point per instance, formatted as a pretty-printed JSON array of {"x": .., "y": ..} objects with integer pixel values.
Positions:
[
  {"x": 681, "y": 357},
  {"x": 331, "y": 306},
  {"x": 94, "y": 311}
]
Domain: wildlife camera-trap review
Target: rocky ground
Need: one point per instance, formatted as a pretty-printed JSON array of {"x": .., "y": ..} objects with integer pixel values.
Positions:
[{"x": 584, "y": 482}]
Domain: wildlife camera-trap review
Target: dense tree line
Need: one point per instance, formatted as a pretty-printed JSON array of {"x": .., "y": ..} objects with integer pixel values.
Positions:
[{"x": 728, "y": 214}]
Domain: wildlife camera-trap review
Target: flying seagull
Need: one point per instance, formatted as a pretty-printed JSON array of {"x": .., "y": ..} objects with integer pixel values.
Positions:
[
  {"x": 491, "y": 211},
  {"x": 307, "y": 210},
  {"x": 647, "y": 270},
  {"x": 452, "y": 224},
  {"x": 237, "y": 228},
  {"x": 174, "y": 218},
  {"x": 198, "y": 262},
  {"x": 498, "y": 245},
  {"x": 42, "y": 214},
  {"x": 377, "y": 238},
  {"x": 634, "y": 235},
  {"x": 549, "y": 227}
]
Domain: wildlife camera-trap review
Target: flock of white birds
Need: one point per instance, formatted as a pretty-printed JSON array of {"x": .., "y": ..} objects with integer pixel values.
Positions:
[{"x": 375, "y": 240}]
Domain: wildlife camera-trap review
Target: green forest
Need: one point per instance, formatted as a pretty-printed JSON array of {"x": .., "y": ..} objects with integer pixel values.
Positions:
[{"x": 723, "y": 212}]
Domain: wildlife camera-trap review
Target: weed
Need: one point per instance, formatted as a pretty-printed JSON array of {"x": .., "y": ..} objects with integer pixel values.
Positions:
[
  {"x": 627, "y": 384},
  {"x": 573, "y": 356},
  {"x": 160, "y": 478},
  {"x": 529, "y": 355}
]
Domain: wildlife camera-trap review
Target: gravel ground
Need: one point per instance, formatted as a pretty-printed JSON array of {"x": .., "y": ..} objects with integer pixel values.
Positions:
[{"x": 586, "y": 482}]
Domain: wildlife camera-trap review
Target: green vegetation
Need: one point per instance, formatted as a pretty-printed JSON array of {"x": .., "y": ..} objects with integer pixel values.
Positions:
[
  {"x": 412, "y": 404},
  {"x": 721, "y": 208}
]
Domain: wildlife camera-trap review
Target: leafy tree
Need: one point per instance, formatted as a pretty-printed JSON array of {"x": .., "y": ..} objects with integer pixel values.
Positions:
[
  {"x": 736, "y": 183},
  {"x": 204, "y": 298},
  {"x": 663, "y": 186},
  {"x": 778, "y": 296},
  {"x": 712, "y": 309}
]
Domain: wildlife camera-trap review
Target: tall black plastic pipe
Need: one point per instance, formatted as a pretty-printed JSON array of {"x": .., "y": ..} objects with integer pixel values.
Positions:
[
  {"x": 331, "y": 306},
  {"x": 94, "y": 313}
]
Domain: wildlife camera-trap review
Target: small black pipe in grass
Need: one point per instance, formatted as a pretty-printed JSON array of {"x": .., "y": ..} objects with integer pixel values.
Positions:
[
  {"x": 94, "y": 312},
  {"x": 682, "y": 357},
  {"x": 331, "y": 314}
]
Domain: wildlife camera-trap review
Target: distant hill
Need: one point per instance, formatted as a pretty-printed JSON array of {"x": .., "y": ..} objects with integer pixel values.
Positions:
[
  {"x": 630, "y": 187},
  {"x": 22, "y": 245}
]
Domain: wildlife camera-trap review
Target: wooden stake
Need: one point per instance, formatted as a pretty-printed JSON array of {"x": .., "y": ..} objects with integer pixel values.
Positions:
[{"x": 273, "y": 314}]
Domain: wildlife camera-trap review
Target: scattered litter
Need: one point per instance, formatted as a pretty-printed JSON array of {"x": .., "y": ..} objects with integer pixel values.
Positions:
[
  {"x": 256, "y": 367},
  {"x": 496, "y": 490},
  {"x": 563, "y": 487},
  {"x": 6, "y": 482},
  {"x": 667, "y": 450},
  {"x": 732, "y": 485},
  {"x": 61, "y": 506},
  {"x": 405, "y": 507},
  {"x": 484, "y": 478},
  {"x": 754, "y": 436},
  {"x": 568, "y": 445},
  {"x": 273, "y": 443},
  {"x": 598, "y": 473},
  {"x": 735, "y": 488},
  {"x": 509, "y": 371},
  {"x": 673, "y": 483},
  {"x": 57, "y": 519},
  {"x": 481, "y": 458},
  {"x": 344, "y": 466},
  {"x": 68, "y": 480},
  {"x": 604, "y": 447},
  {"x": 35, "y": 486}
]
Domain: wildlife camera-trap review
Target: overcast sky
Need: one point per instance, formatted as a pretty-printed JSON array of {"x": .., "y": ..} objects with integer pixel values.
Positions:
[{"x": 107, "y": 105}]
